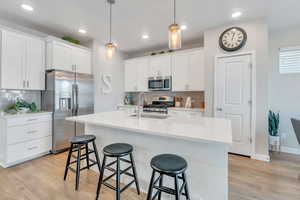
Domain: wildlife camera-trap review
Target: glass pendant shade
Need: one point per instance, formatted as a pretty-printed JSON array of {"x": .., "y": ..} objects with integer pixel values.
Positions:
[
  {"x": 110, "y": 50},
  {"x": 174, "y": 37}
]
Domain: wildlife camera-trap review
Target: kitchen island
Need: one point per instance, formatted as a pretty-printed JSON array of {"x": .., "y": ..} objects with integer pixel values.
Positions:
[{"x": 203, "y": 142}]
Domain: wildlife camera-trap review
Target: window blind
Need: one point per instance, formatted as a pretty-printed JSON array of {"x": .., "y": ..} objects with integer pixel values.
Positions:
[{"x": 289, "y": 60}]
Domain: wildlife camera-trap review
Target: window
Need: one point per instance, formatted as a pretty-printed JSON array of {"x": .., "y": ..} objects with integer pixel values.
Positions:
[{"x": 289, "y": 60}]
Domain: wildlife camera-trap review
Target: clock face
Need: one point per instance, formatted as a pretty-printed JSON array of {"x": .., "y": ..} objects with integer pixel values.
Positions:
[{"x": 233, "y": 39}]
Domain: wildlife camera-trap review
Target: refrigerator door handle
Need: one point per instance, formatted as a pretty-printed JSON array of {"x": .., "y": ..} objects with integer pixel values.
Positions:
[
  {"x": 77, "y": 100},
  {"x": 73, "y": 99}
]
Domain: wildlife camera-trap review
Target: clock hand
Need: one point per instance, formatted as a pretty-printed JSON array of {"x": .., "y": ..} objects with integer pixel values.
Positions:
[{"x": 232, "y": 36}]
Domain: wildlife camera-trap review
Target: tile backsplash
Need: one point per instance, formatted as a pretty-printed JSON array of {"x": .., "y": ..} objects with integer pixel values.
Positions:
[
  {"x": 8, "y": 97},
  {"x": 197, "y": 97}
]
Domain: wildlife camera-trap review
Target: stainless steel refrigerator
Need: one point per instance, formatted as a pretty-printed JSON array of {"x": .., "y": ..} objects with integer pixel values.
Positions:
[{"x": 67, "y": 94}]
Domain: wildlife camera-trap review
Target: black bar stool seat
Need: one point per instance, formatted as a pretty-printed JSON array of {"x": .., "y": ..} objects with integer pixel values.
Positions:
[
  {"x": 118, "y": 151},
  {"x": 79, "y": 143},
  {"x": 82, "y": 139},
  {"x": 168, "y": 165}
]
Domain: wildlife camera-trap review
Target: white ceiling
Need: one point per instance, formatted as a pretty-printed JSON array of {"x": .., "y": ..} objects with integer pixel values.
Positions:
[{"x": 132, "y": 18}]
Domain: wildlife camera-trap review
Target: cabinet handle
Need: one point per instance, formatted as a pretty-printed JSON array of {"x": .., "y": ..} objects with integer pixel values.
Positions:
[
  {"x": 31, "y": 148},
  {"x": 27, "y": 84},
  {"x": 31, "y": 132},
  {"x": 24, "y": 83},
  {"x": 219, "y": 109}
]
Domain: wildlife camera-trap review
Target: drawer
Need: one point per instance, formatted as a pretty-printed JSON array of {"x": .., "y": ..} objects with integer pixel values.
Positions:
[
  {"x": 17, "y": 134},
  {"x": 18, "y": 121},
  {"x": 25, "y": 150}
]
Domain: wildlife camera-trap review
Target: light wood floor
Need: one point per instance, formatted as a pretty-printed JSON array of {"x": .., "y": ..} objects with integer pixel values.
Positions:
[{"x": 41, "y": 179}]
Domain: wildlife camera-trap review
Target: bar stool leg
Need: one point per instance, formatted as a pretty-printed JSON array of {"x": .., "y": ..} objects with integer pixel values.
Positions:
[
  {"x": 186, "y": 190},
  {"x": 177, "y": 195},
  {"x": 118, "y": 192},
  {"x": 78, "y": 167},
  {"x": 68, "y": 161},
  {"x": 97, "y": 156},
  {"x": 135, "y": 174},
  {"x": 87, "y": 156},
  {"x": 150, "y": 190},
  {"x": 160, "y": 185},
  {"x": 101, "y": 177}
]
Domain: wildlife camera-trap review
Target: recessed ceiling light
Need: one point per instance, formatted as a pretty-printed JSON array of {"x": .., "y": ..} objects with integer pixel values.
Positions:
[
  {"x": 236, "y": 14},
  {"x": 27, "y": 7},
  {"x": 183, "y": 27},
  {"x": 82, "y": 31},
  {"x": 145, "y": 36}
]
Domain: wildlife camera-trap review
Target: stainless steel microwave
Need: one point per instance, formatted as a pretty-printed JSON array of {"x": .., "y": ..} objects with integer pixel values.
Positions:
[{"x": 160, "y": 83}]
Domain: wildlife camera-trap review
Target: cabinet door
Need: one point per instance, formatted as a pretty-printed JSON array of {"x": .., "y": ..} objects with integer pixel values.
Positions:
[
  {"x": 13, "y": 61},
  {"x": 142, "y": 74},
  {"x": 160, "y": 66},
  {"x": 180, "y": 72},
  {"x": 62, "y": 56},
  {"x": 196, "y": 71},
  {"x": 131, "y": 76},
  {"x": 35, "y": 67},
  {"x": 82, "y": 60}
]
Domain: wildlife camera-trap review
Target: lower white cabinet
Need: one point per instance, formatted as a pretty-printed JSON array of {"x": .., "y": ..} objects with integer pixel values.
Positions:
[{"x": 24, "y": 137}]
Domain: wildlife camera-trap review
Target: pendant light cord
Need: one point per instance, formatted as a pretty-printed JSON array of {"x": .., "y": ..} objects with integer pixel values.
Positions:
[
  {"x": 110, "y": 19},
  {"x": 174, "y": 12}
]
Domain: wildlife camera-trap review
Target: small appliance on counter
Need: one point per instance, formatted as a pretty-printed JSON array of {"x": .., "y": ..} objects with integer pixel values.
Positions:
[
  {"x": 188, "y": 102},
  {"x": 164, "y": 101}
]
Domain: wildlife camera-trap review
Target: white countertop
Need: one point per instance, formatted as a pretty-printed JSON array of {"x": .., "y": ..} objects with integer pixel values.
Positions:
[
  {"x": 33, "y": 114},
  {"x": 193, "y": 128}
]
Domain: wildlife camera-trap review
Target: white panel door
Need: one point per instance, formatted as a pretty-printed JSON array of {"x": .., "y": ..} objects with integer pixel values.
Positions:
[
  {"x": 35, "y": 67},
  {"x": 62, "y": 56},
  {"x": 131, "y": 76},
  {"x": 233, "y": 99},
  {"x": 13, "y": 61},
  {"x": 196, "y": 71},
  {"x": 82, "y": 60},
  {"x": 142, "y": 74},
  {"x": 180, "y": 72},
  {"x": 160, "y": 65}
]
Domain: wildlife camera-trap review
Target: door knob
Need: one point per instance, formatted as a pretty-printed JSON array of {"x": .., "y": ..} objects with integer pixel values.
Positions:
[{"x": 219, "y": 109}]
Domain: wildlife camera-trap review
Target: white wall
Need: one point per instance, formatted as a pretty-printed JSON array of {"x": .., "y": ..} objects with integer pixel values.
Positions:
[
  {"x": 114, "y": 67},
  {"x": 257, "y": 41},
  {"x": 284, "y": 89}
]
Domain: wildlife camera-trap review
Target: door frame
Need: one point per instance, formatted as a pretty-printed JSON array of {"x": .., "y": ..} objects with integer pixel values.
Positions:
[{"x": 252, "y": 54}]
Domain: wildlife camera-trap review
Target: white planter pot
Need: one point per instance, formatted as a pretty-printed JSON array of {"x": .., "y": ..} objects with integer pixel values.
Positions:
[{"x": 274, "y": 142}]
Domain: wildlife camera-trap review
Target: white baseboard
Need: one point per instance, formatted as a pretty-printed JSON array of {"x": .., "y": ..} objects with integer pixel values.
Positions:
[
  {"x": 261, "y": 157},
  {"x": 290, "y": 150}
]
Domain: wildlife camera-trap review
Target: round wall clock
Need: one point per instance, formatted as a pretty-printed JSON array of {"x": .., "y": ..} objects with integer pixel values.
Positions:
[{"x": 232, "y": 39}]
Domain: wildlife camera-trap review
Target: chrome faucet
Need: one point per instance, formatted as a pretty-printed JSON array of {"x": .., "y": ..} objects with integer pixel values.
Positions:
[{"x": 140, "y": 104}]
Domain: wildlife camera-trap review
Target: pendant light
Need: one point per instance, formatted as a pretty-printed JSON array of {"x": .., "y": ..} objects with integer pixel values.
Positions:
[
  {"x": 174, "y": 32},
  {"x": 110, "y": 46}
]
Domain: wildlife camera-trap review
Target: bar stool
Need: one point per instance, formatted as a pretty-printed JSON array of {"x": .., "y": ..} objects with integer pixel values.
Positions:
[
  {"x": 118, "y": 151},
  {"x": 168, "y": 165},
  {"x": 79, "y": 143}
]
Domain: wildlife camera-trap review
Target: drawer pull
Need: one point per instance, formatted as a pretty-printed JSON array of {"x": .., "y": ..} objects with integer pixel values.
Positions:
[
  {"x": 31, "y": 132},
  {"x": 32, "y": 148},
  {"x": 29, "y": 120}
]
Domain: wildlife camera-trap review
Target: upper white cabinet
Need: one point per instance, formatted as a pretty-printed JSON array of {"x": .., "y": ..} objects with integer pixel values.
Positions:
[
  {"x": 160, "y": 65},
  {"x": 188, "y": 71},
  {"x": 23, "y": 61},
  {"x": 136, "y": 75},
  {"x": 67, "y": 57}
]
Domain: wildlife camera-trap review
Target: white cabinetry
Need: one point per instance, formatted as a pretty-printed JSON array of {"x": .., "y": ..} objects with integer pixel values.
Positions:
[
  {"x": 24, "y": 137},
  {"x": 22, "y": 61},
  {"x": 160, "y": 65},
  {"x": 136, "y": 75},
  {"x": 188, "y": 71},
  {"x": 68, "y": 57}
]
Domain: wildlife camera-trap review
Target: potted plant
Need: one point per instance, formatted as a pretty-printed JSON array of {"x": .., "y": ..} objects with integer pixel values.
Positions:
[{"x": 274, "y": 137}]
